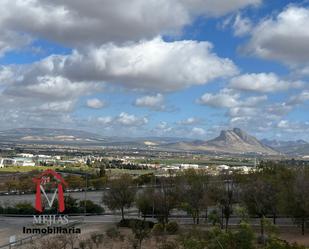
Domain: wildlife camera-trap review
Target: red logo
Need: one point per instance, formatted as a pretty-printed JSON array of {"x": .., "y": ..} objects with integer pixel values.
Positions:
[{"x": 55, "y": 181}]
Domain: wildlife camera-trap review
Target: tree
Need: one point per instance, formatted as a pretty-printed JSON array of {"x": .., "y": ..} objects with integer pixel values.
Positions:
[
  {"x": 165, "y": 199},
  {"x": 255, "y": 198},
  {"x": 275, "y": 177},
  {"x": 145, "y": 202},
  {"x": 121, "y": 194},
  {"x": 192, "y": 187},
  {"x": 141, "y": 231},
  {"x": 223, "y": 193},
  {"x": 297, "y": 197}
]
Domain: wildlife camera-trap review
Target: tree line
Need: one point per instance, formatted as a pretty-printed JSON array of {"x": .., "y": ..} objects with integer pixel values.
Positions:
[{"x": 271, "y": 191}]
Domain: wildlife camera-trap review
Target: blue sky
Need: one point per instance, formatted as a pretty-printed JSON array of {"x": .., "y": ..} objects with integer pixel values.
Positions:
[{"x": 156, "y": 68}]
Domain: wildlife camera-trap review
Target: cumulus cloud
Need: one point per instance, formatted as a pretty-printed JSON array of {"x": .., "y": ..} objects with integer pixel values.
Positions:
[
  {"x": 197, "y": 131},
  {"x": 225, "y": 98},
  {"x": 77, "y": 22},
  {"x": 95, "y": 103},
  {"x": 47, "y": 87},
  {"x": 154, "y": 65},
  {"x": 300, "y": 98},
  {"x": 246, "y": 112},
  {"x": 284, "y": 37},
  {"x": 155, "y": 102},
  {"x": 241, "y": 25},
  {"x": 218, "y": 7},
  {"x": 6, "y": 75},
  {"x": 262, "y": 82},
  {"x": 293, "y": 127},
  {"x": 126, "y": 119},
  {"x": 10, "y": 40}
]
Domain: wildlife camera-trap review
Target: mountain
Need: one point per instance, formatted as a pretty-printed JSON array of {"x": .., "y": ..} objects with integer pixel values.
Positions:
[
  {"x": 234, "y": 141},
  {"x": 49, "y": 136},
  {"x": 298, "y": 147},
  {"x": 77, "y": 137}
]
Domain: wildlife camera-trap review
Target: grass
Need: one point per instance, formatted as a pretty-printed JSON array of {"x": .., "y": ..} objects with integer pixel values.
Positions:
[
  {"x": 131, "y": 172},
  {"x": 25, "y": 169},
  {"x": 232, "y": 162}
]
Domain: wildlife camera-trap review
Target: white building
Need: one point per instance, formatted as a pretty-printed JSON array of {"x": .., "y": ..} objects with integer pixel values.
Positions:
[
  {"x": 188, "y": 166},
  {"x": 23, "y": 161},
  {"x": 223, "y": 167},
  {"x": 28, "y": 155}
]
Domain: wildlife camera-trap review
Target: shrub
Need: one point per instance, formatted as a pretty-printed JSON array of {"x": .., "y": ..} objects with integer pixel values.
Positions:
[
  {"x": 158, "y": 229},
  {"x": 97, "y": 239},
  {"x": 91, "y": 207},
  {"x": 131, "y": 222},
  {"x": 112, "y": 233},
  {"x": 172, "y": 227},
  {"x": 24, "y": 208},
  {"x": 169, "y": 245}
]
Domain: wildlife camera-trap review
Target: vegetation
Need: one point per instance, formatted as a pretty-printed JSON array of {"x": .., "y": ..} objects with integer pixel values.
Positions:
[{"x": 72, "y": 206}]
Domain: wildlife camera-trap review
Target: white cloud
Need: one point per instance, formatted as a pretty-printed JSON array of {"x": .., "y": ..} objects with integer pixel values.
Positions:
[
  {"x": 47, "y": 87},
  {"x": 218, "y": 7},
  {"x": 60, "y": 106},
  {"x": 95, "y": 103},
  {"x": 79, "y": 22},
  {"x": 189, "y": 121},
  {"x": 225, "y": 98},
  {"x": 105, "y": 120},
  {"x": 6, "y": 75},
  {"x": 241, "y": 25},
  {"x": 196, "y": 131},
  {"x": 284, "y": 37},
  {"x": 155, "y": 102},
  {"x": 262, "y": 82},
  {"x": 253, "y": 112},
  {"x": 293, "y": 127},
  {"x": 300, "y": 98},
  {"x": 126, "y": 119},
  {"x": 155, "y": 64},
  {"x": 10, "y": 40}
]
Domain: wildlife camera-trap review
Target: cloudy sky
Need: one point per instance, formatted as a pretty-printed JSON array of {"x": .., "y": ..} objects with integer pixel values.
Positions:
[{"x": 186, "y": 68}]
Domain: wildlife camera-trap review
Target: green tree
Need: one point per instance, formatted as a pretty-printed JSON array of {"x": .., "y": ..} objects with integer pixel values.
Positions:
[
  {"x": 141, "y": 231},
  {"x": 224, "y": 194},
  {"x": 121, "y": 194},
  {"x": 145, "y": 203},
  {"x": 297, "y": 197},
  {"x": 192, "y": 188},
  {"x": 255, "y": 198}
]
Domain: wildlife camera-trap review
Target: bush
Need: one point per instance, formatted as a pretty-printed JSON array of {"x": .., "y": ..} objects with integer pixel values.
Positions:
[
  {"x": 91, "y": 207},
  {"x": 279, "y": 244},
  {"x": 112, "y": 233},
  {"x": 158, "y": 229},
  {"x": 24, "y": 208},
  {"x": 131, "y": 222},
  {"x": 169, "y": 245},
  {"x": 172, "y": 227}
]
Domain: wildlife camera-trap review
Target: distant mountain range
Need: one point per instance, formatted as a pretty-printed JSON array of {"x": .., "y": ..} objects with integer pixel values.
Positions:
[
  {"x": 49, "y": 136},
  {"x": 300, "y": 147},
  {"x": 235, "y": 141}
]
